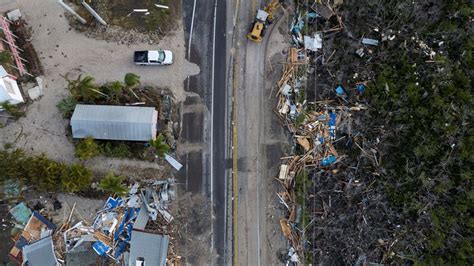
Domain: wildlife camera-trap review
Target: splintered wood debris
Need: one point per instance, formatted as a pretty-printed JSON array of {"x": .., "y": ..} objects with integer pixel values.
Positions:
[{"x": 313, "y": 125}]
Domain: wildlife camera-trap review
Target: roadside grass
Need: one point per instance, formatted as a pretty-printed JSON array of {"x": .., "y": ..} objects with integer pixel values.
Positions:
[{"x": 161, "y": 20}]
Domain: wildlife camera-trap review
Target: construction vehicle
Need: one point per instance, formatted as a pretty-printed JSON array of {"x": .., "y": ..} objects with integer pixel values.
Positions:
[{"x": 263, "y": 18}]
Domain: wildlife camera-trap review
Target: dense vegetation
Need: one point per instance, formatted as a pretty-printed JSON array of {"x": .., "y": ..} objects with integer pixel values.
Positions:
[
  {"x": 89, "y": 148},
  {"x": 415, "y": 205},
  {"x": 426, "y": 108},
  {"x": 42, "y": 173}
]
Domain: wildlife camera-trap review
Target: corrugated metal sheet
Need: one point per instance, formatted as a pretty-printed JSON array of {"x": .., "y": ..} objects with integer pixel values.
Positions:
[
  {"x": 40, "y": 253},
  {"x": 142, "y": 219},
  {"x": 151, "y": 247},
  {"x": 114, "y": 122}
]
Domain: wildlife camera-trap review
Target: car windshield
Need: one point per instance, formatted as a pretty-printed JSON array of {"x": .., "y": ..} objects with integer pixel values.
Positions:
[{"x": 161, "y": 56}]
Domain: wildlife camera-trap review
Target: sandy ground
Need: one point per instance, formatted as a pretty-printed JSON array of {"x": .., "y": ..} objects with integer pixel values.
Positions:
[
  {"x": 85, "y": 208},
  {"x": 63, "y": 50}
]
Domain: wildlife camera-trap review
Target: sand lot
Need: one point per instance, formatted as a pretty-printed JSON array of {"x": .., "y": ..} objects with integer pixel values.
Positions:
[{"x": 62, "y": 50}]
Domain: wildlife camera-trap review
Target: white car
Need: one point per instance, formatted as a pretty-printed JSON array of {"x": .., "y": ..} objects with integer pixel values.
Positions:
[{"x": 153, "y": 57}]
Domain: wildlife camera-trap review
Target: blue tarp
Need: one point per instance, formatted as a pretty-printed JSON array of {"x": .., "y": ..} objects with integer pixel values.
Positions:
[
  {"x": 21, "y": 242},
  {"x": 332, "y": 125},
  {"x": 340, "y": 90},
  {"x": 45, "y": 221},
  {"x": 100, "y": 248},
  {"x": 360, "y": 88},
  {"x": 328, "y": 160},
  {"x": 312, "y": 15},
  {"x": 125, "y": 231},
  {"x": 112, "y": 203}
]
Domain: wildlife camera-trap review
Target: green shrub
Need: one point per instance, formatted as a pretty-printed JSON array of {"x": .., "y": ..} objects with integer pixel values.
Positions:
[
  {"x": 131, "y": 80},
  {"x": 42, "y": 173},
  {"x": 5, "y": 57},
  {"x": 11, "y": 109},
  {"x": 66, "y": 106},
  {"x": 87, "y": 148},
  {"x": 160, "y": 146},
  {"x": 120, "y": 150}
]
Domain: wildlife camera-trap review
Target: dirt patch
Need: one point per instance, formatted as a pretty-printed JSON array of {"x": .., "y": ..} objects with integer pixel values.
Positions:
[
  {"x": 161, "y": 20},
  {"x": 194, "y": 221},
  {"x": 126, "y": 26},
  {"x": 23, "y": 32}
]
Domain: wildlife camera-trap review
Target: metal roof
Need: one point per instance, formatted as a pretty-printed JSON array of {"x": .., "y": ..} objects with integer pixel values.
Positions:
[
  {"x": 111, "y": 122},
  {"x": 151, "y": 247},
  {"x": 40, "y": 253}
]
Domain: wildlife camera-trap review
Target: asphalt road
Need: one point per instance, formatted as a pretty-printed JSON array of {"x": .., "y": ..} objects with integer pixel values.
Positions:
[
  {"x": 205, "y": 27},
  {"x": 251, "y": 167},
  {"x": 260, "y": 142}
]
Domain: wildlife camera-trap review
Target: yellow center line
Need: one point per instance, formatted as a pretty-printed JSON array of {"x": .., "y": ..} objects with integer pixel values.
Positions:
[
  {"x": 254, "y": 4},
  {"x": 235, "y": 189}
]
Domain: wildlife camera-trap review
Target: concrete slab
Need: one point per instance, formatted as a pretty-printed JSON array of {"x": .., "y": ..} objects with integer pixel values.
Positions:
[{"x": 34, "y": 93}]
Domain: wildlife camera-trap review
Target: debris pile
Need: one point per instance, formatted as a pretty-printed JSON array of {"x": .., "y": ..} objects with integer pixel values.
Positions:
[
  {"x": 111, "y": 232},
  {"x": 315, "y": 125},
  {"x": 34, "y": 243},
  {"x": 118, "y": 232}
]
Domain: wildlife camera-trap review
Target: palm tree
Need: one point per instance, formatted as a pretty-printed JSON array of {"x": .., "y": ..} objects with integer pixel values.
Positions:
[
  {"x": 115, "y": 87},
  {"x": 113, "y": 183},
  {"x": 131, "y": 80},
  {"x": 160, "y": 146},
  {"x": 84, "y": 88},
  {"x": 114, "y": 90}
]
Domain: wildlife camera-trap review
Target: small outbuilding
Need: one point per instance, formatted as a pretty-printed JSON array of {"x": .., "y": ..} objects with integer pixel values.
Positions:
[
  {"x": 148, "y": 249},
  {"x": 110, "y": 122}
]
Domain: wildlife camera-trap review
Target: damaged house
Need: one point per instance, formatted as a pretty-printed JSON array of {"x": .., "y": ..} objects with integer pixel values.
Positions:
[{"x": 34, "y": 245}]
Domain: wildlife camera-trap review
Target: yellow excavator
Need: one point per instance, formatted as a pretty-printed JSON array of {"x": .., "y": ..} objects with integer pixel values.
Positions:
[{"x": 262, "y": 18}]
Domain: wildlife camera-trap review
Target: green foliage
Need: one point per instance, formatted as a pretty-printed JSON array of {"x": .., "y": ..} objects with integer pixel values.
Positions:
[
  {"x": 87, "y": 148},
  {"x": 11, "y": 109},
  {"x": 84, "y": 89},
  {"x": 66, "y": 106},
  {"x": 160, "y": 146},
  {"x": 77, "y": 177},
  {"x": 114, "y": 89},
  {"x": 302, "y": 184},
  {"x": 157, "y": 17},
  {"x": 113, "y": 184},
  {"x": 5, "y": 57},
  {"x": 42, "y": 173},
  {"x": 300, "y": 119},
  {"x": 426, "y": 112},
  {"x": 132, "y": 80},
  {"x": 120, "y": 150}
]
